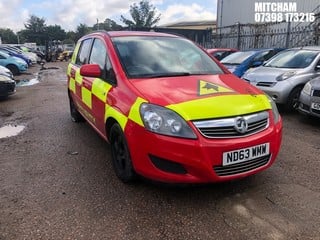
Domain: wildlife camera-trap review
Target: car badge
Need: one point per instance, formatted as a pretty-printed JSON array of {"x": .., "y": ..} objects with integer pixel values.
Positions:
[{"x": 241, "y": 125}]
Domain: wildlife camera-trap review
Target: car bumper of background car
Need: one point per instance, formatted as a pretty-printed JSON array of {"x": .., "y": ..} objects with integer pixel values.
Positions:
[
  {"x": 7, "y": 88},
  {"x": 305, "y": 103},
  {"x": 177, "y": 160},
  {"x": 278, "y": 91}
]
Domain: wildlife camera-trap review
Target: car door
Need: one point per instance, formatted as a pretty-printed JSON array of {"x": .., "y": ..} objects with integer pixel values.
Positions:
[
  {"x": 77, "y": 85},
  {"x": 99, "y": 87}
]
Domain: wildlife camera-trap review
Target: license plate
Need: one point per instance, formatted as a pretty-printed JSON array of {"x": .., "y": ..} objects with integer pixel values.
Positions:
[
  {"x": 245, "y": 154},
  {"x": 315, "y": 106}
]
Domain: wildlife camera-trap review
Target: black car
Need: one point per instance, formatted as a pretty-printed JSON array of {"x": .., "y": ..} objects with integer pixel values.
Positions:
[{"x": 7, "y": 83}]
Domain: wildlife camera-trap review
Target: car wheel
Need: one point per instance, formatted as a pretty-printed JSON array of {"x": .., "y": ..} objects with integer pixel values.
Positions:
[
  {"x": 293, "y": 100},
  {"x": 75, "y": 115},
  {"x": 14, "y": 69},
  {"x": 121, "y": 159}
]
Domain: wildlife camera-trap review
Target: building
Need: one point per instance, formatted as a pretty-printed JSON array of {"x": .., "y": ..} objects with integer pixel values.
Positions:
[
  {"x": 246, "y": 24},
  {"x": 230, "y": 12},
  {"x": 194, "y": 25}
]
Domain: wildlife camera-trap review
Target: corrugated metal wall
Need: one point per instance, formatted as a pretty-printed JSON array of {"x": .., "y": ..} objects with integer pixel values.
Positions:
[{"x": 230, "y": 12}]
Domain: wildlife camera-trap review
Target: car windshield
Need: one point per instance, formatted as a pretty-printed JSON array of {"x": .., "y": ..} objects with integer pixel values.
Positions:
[
  {"x": 292, "y": 59},
  {"x": 237, "y": 57},
  {"x": 151, "y": 57}
]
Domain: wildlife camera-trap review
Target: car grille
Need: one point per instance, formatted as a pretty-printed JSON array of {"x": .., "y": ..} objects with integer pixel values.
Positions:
[
  {"x": 266, "y": 84},
  {"x": 241, "y": 167},
  {"x": 226, "y": 127},
  {"x": 316, "y": 93}
]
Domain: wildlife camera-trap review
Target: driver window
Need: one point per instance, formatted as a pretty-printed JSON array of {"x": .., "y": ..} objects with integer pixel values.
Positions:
[{"x": 98, "y": 53}]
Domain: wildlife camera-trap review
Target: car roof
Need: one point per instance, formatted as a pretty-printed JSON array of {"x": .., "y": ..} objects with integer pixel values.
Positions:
[
  {"x": 132, "y": 33},
  {"x": 313, "y": 48}
]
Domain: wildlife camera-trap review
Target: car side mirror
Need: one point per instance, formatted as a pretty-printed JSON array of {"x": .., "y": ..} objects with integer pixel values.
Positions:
[
  {"x": 90, "y": 70},
  {"x": 317, "y": 68}
]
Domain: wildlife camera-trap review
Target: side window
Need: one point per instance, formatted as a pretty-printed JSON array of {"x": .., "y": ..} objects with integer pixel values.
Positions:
[
  {"x": 99, "y": 56},
  {"x": 83, "y": 52},
  {"x": 98, "y": 53}
]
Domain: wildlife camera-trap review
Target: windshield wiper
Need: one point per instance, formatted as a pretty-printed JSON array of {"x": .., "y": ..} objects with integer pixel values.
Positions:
[{"x": 170, "y": 74}]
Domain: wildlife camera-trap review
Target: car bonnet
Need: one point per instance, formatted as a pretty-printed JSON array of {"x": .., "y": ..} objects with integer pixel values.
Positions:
[{"x": 203, "y": 97}]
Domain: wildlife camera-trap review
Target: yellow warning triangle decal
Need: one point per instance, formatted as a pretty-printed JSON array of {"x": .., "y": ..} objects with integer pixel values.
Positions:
[{"x": 206, "y": 88}]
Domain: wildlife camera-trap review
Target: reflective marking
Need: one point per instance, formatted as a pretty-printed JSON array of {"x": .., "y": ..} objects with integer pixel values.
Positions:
[
  {"x": 221, "y": 106},
  {"x": 206, "y": 88},
  {"x": 134, "y": 114},
  {"x": 78, "y": 77},
  {"x": 100, "y": 89},
  {"x": 121, "y": 119},
  {"x": 86, "y": 97},
  {"x": 72, "y": 85}
]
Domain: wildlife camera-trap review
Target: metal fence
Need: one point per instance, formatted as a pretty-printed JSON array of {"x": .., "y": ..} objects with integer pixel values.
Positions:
[{"x": 283, "y": 34}]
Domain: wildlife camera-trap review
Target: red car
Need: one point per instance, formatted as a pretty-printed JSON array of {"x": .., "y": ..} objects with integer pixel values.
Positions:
[
  {"x": 220, "y": 53},
  {"x": 169, "y": 112}
]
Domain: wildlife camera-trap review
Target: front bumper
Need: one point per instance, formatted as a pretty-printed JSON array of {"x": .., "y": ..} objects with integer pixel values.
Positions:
[
  {"x": 7, "y": 88},
  {"x": 278, "y": 91},
  {"x": 305, "y": 102},
  {"x": 177, "y": 160}
]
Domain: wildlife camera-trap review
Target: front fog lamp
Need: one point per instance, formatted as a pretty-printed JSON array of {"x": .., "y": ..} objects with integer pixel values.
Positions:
[{"x": 165, "y": 121}]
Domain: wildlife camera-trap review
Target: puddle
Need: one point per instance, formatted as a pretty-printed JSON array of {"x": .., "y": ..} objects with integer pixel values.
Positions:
[
  {"x": 10, "y": 130},
  {"x": 28, "y": 82}
]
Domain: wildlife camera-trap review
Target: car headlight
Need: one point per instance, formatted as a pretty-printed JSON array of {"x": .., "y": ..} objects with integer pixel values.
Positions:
[
  {"x": 285, "y": 75},
  {"x": 5, "y": 79},
  {"x": 164, "y": 121},
  {"x": 307, "y": 89},
  {"x": 275, "y": 112}
]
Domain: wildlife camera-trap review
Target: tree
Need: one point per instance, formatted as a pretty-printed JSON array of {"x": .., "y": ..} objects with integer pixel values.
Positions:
[
  {"x": 8, "y": 36},
  {"x": 35, "y": 30},
  {"x": 143, "y": 15},
  {"x": 55, "y": 32},
  {"x": 108, "y": 25},
  {"x": 82, "y": 30}
]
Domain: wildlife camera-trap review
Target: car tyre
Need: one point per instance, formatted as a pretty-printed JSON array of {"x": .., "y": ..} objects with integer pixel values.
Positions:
[
  {"x": 121, "y": 159},
  {"x": 75, "y": 115},
  {"x": 293, "y": 99},
  {"x": 14, "y": 69}
]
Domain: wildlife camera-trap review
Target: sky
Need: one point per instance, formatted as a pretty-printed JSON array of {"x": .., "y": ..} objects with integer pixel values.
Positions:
[{"x": 70, "y": 13}]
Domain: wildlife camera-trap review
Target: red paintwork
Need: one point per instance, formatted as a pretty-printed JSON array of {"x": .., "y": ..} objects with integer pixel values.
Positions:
[{"x": 197, "y": 156}]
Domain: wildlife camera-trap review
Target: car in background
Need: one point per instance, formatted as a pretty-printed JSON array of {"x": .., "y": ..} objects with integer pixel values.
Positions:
[
  {"x": 220, "y": 53},
  {"x": 284, "y": 76},
  {"x": 239, "y": 62},
  {"x": 14, "y": 64},
  {"x": 309, "y": 100},
  {"x": 16, "y": 54},
  {"x": 32, "y": 56},
  {"x": 7, "y": 83}
]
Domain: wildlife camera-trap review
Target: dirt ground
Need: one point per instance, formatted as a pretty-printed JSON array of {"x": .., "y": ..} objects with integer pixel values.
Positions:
[{"x": 57, "y": 182}]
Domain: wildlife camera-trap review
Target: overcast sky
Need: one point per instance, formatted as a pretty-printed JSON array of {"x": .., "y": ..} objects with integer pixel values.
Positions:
[{"x": 70, "y": 13}]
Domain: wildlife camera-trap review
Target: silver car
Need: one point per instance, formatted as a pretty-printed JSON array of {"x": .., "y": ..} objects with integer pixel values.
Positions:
[
  {"x": 284, "y": 75},
  {"x": 309, "y": 101}
]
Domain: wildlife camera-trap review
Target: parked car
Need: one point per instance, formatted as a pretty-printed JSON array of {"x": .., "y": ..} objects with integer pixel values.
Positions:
[
  {"x": 15, "y": 54},
  {"x": 169, "y": 111},
  {"x": 220, "y": 53},
  {"x": 239, "y": 62},
  {"x": 32, "y": 56},
  {"x": 14, "y": 64},
  {"x": 309, "y": 100},
  {"x": 7, "y": 83},
  {"x": 284, "y": 76}
]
